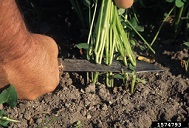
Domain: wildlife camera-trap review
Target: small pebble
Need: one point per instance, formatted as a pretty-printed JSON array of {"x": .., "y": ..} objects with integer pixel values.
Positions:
[
  {"x": 89, "y": 116},
  {"x": 1, "y": 106},
  {"x": 90, "y": 88},
  {"x": 104, "y": 107},
  {"x": 39, "y": 120}
]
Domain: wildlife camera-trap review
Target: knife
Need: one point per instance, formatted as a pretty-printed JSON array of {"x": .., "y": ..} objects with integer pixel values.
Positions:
[{"x": 81, "y": 65}]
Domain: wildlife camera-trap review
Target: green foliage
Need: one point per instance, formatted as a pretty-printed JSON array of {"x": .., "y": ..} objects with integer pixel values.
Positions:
[
  {"x": 181, "y": 21},
  {"x": 186, "y": 63},
  {"x": 7, "y": 96},
  {"x": 110, "y": 39},
  {"x": 135, "y": 25},
  {"x": 111, "y": 36},
  {"x": 178, "y": 3},
  {"x": 187, "y": 44},
  {"x": 3, "y": 123},
  {"x": 78, "y": 124},
  {"x": 101, "y": 46},
  {"x": 181, "y": 15},
  {"x": 83, "y": 46},
  {"x": 119, "y": 76}
]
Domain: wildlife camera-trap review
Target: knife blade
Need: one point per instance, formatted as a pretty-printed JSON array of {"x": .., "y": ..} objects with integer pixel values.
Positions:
[{"x": 81, "y": 65}]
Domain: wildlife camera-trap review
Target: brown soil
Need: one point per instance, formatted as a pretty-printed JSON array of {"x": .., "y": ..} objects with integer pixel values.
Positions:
[{"x": 164, "y": 97}]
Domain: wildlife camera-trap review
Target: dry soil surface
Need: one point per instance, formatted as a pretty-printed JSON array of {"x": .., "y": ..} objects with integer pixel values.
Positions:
[{"x": 164, "y": 96}]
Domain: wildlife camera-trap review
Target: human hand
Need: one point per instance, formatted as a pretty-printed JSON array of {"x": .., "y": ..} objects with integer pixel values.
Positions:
[
  {"x": 124, "y": 3},
  {"x": 34, "y": 73}
]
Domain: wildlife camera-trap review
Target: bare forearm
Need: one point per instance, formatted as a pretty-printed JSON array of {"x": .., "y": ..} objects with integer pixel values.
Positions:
[
  {"x": 13, "y": 35},
  {"x": 27, "y": 60}
]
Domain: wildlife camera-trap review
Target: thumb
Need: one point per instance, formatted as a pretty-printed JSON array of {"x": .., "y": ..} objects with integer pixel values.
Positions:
[{"x": 124, "y": 3}]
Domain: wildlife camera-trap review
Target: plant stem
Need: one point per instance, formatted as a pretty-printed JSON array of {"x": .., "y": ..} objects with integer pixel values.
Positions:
[
  {"x": 177, "y": 23},
  {"x": 8, "y": 119},
  {"x": 77, "y": 8},
  {"x": 133, "y": 83},
  {"x": 95, "y": 78},
  {"x": 90, "y": 31},
  {"x": 125, "y": 41},
  {"x": 149, "y": 46},
  {"x": 165, "y": 19}
]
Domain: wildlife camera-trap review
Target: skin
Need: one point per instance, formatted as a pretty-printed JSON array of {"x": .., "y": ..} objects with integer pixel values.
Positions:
[
  {"x": 124, "y": 3},
  {"x": 28, "y": 61}
]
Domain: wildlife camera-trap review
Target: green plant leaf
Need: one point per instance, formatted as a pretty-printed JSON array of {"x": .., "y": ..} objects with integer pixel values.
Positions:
[
  {"x": 4, "y": 123},
  {"x": 121, "y": 11},
  {"x": 119, "y": 76},
  {"x": 131, "y": 67},
  {"x": 179, "y": 3},
  {"x": 133, "y": 42},
  {"x": 187, "y": 44},
  {"x": 3, "y": 98},
  {"x": 9, "y": 96},
  {"x": 2, "y": 113},
  {"x": 78, "y": 124},
  {"x": 141, "y": 81},
  {"x": 136, "y": 26},
  {"x": 13, "y": 97},
  {"x": 83, "y": 45}
]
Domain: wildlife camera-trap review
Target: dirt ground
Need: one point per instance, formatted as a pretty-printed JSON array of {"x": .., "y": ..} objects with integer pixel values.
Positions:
[{"x": 164, "y": 97}]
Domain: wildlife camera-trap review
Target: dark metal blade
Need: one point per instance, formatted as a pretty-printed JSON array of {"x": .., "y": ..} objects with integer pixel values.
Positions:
[{"x": 80, "y": 65}]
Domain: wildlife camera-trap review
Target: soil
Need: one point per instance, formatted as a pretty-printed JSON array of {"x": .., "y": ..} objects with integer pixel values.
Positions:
[{"x": 164, "y": 96}]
